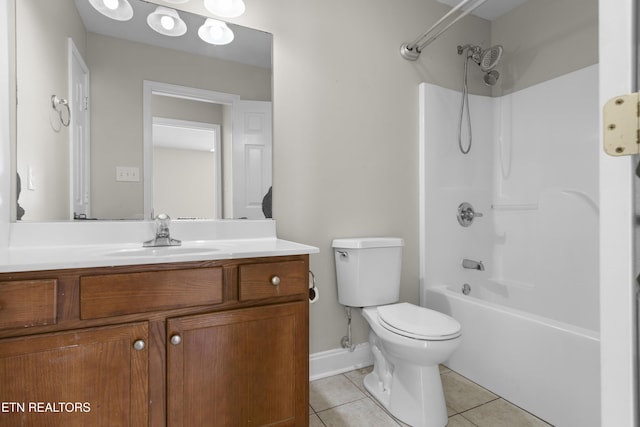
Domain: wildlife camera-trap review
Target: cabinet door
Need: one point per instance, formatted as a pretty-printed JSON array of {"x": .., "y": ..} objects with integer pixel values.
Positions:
[
  {"x": 91, "y": 377},
  {"x": 247, "y": 367}
]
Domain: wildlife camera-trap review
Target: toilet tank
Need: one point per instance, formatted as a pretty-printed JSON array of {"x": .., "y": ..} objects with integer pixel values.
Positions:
[{"x": 368, "y": 270}]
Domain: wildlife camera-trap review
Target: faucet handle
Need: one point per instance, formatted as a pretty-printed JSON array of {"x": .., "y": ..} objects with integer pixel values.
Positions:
[
  {"x": 162, "y": 225},
  {"x": 163, "y": 217},
  {"x": 466, "y": 214}
]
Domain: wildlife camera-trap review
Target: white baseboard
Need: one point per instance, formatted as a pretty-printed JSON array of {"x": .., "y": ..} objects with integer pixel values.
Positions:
[{"x": 338, "y": 361}]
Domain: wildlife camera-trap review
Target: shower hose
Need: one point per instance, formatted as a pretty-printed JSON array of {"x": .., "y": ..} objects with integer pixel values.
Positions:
[{"x": 465, "y": 106}]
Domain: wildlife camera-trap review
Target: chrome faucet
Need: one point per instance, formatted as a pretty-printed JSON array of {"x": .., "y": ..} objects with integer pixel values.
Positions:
[
  {"x": 466, "y": 214},
  {"x": 472, "y": 265},
  {"x": 163, "y": 237}
]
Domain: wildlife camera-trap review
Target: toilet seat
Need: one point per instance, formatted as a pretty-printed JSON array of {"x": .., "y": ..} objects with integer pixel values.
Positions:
[{"x": 418, "y": 322}]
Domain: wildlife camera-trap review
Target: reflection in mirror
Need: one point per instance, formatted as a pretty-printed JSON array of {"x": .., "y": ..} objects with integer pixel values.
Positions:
[
  {"x": 101, "y": 165},
  {"x": 194, "y": 149},
  {"x": 246, "y": 140}
]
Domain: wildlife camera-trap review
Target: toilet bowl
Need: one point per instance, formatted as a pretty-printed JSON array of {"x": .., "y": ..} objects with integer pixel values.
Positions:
[
  {"x": 406, "y": 375},
  {"x": 408, "y": 342}
]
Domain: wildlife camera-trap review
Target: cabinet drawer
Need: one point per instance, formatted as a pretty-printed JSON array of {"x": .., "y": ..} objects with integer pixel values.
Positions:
[
  {"x": 28, "y": 303},
  {"x": 272, "y": 279},
  {"x": 117, "y": 294}
]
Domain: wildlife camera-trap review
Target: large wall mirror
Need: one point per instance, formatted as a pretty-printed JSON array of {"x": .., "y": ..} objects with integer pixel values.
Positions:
[{"x": 115, "y": 121}]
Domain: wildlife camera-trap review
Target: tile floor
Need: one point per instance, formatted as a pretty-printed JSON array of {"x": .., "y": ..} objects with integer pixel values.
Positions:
[{"x": 341, "y": 401}]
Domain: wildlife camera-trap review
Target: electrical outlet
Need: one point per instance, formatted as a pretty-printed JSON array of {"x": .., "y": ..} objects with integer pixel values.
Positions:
[{"x": 127, "y": 174}]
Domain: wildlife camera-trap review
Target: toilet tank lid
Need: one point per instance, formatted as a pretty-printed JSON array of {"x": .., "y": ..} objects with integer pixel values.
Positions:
[{"x": 368, "y": 242}]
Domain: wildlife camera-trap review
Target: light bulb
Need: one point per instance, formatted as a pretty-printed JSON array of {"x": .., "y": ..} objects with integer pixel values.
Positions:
[
  {"x": 167, "y": 22},
  {"x": 216, "y": 33},
  {"x": 111, "y": 4},
  {"x": 120, "y": 10},
  {"x": 225, "y": 8}
]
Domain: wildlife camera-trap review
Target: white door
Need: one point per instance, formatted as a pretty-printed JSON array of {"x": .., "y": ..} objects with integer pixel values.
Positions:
[
  {"x": 79, "y": 134},
  {"x": 252, "y": 154},
  {"x": 618, "y": 328}
]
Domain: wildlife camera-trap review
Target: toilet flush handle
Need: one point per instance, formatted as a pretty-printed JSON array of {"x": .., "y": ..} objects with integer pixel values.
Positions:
[{"x": 343, "y": 254}]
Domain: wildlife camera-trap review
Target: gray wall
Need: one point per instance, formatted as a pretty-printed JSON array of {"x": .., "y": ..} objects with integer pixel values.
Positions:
[
  {"x": 346, "y": 118},
  {"x": 543, "y": 39}
]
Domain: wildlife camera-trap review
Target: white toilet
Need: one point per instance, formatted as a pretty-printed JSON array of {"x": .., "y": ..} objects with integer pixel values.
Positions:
[{"x": 408, "y": 341}]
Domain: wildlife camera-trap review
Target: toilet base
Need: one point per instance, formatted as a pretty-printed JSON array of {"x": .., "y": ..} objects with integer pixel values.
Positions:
[{"x": 415, "y": 395}]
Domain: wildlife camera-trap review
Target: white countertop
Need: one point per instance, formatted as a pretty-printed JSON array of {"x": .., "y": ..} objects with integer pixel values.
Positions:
[
  {"x": 64, "y": 245},
  {"x": 23, "y": 258}
]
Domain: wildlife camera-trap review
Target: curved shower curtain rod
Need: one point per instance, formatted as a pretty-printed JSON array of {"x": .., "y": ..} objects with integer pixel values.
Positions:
[{"x": 411, "y": 51}]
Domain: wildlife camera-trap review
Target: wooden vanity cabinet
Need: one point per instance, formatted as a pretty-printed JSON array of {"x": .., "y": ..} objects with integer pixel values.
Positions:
[
  {"x": 216, "y": 343},
  {"x": 238, "y": 368},
  {"x": 88, "y": 377}
]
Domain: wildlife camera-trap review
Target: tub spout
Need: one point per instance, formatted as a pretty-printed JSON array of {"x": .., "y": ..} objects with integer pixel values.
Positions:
[{"x": 472, "y": 265}]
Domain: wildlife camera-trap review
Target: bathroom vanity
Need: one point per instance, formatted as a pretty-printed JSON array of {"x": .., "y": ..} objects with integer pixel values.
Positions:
[{"x": 206, "y": 342}]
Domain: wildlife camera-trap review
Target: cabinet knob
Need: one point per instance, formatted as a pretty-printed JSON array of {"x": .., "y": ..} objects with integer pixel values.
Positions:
[
  {"x": 275, "y": 280},
  {"x": 139, "y": 345},
  {"x": 176, "y": 339}
]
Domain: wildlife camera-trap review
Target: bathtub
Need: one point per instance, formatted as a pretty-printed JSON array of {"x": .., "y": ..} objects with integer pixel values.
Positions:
[
  {"x": 545, "y": 366},
  {"x": 530, "y": 324}
]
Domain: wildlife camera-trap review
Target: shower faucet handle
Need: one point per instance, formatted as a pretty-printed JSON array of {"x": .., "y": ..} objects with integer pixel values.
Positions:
[{"x": 466, "y": 214}]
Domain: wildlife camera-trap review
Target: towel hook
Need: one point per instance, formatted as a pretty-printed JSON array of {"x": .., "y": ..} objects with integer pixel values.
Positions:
[{"x": 56, "y": 103}]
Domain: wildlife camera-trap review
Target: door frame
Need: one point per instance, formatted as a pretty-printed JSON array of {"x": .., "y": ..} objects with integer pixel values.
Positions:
[{"x": 618, "y": 287}]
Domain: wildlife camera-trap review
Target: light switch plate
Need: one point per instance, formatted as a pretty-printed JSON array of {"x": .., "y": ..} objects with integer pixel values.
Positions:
[{"x": 127, "y": 173}]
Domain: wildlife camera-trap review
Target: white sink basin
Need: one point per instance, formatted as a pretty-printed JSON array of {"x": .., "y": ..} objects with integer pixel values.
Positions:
[{"x": 163, "y": 251}]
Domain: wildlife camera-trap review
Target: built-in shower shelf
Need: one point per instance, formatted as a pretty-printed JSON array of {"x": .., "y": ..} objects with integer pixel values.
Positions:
[{"x": 501, "y": 281}]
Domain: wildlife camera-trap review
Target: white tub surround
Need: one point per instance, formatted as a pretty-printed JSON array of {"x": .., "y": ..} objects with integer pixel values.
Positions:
[
  {"x": 531, "y": 319},
  {"x": 44, "y": 246}
]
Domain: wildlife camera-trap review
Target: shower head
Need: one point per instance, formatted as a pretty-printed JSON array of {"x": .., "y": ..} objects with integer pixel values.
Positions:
[
  {"x": 490, "y": 57},
  {"x": 487, "y": 59},
  {"x": 491, "y": 78}
]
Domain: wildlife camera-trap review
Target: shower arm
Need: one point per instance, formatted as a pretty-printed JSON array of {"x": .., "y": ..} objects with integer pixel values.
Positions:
[{"x": 411, "y": 51}]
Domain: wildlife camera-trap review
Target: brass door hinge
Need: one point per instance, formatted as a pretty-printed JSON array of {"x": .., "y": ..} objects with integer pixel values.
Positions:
[{"x": 621, "y": 117}]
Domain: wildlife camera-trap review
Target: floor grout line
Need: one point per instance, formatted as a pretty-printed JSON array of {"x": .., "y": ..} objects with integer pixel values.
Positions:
[
  {"x": 481, "y": 405},
  {"x": 353, "y": 380}
]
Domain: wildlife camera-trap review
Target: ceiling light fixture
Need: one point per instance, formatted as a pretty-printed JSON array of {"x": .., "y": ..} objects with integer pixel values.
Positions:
[
  {"x": 225, "y": 8},
  {"x": 215, "y": 32},
  {"x": 166, "y": 21},
  {"x": 120, "y": 10}
]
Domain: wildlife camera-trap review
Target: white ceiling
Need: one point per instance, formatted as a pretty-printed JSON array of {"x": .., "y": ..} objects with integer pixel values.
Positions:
[
  {"x": 490, "y": 10},
  {"x": 249, "y": 46}
]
